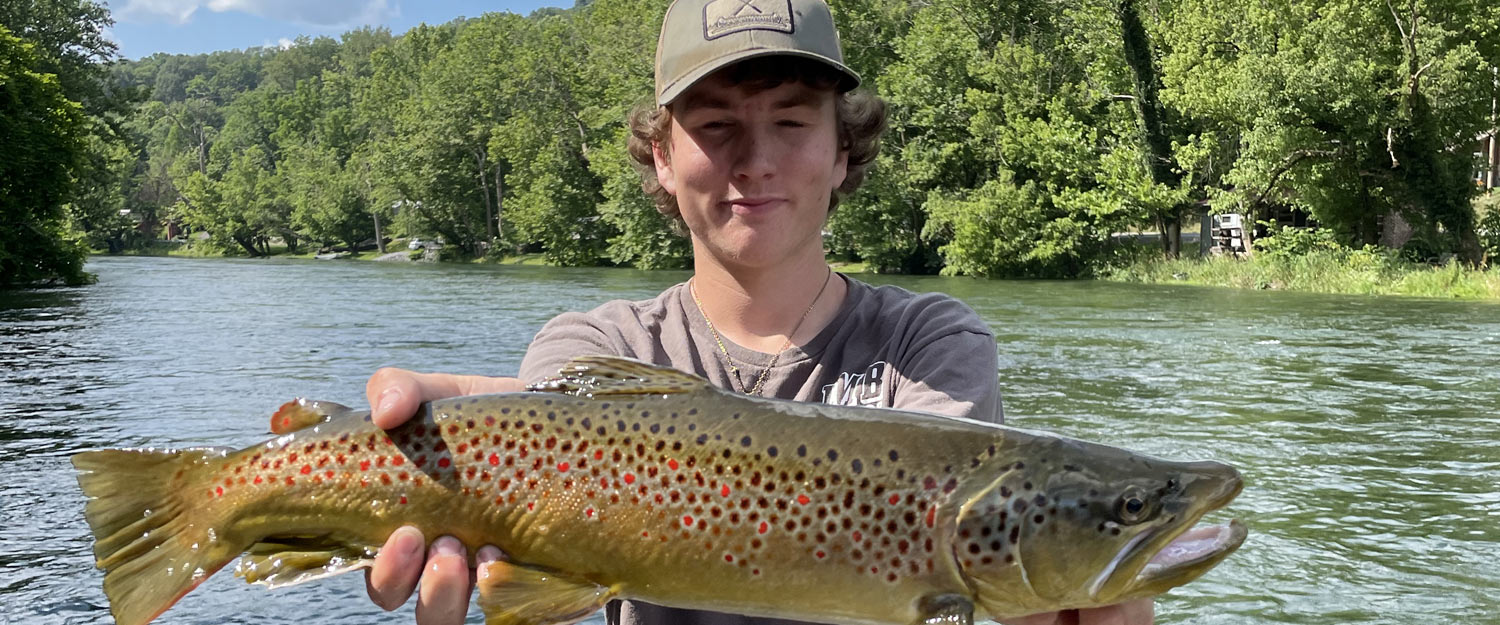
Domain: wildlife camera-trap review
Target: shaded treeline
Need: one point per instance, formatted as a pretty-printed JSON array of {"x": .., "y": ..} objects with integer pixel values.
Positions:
[{"x": 1023, "y": 133}]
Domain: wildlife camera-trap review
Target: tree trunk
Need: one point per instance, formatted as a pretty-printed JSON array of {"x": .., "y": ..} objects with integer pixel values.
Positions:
[
  {"x": 379, "y": 237},
  {"x": 481, "y": 162},
  {"x": 1152, "y": 117}
]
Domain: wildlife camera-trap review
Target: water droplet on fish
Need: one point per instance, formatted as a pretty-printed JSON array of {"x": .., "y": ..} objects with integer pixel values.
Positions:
[
  {"x": 198, "y": 575},
  {"x": 194, "y": 547},
  {"x": 212, "y": 536},
  {"x": 147, "y": 513}
]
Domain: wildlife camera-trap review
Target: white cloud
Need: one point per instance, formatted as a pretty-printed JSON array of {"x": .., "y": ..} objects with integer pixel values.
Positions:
[{"x": 330, "y": 13}]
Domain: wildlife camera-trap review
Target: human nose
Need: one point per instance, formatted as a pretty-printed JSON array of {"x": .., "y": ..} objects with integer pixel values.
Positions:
[{"x": 755, "y": 155}]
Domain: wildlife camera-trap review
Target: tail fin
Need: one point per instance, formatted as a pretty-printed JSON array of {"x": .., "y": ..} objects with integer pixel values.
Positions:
[{"x": 146, "y": 539}]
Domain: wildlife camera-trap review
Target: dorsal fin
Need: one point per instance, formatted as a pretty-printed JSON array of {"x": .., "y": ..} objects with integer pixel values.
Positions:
[
  {"x": 301, "y": 413},
  {"x": 592, "y": 376}
]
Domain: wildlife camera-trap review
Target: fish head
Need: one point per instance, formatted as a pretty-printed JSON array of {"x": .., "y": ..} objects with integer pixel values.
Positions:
[{"x": 1075, "y": 524}]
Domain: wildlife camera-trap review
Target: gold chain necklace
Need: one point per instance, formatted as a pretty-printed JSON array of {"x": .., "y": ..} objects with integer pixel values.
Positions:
[{"x": 760, "y": 381}]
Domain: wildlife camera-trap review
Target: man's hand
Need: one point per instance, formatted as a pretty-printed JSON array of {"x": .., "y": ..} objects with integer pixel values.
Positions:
[
  {"x": 1138, "y": 612},
  {"x": 443, "y": 567}
]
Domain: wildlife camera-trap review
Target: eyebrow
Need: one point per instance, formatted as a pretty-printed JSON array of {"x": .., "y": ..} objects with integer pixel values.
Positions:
[{"x": 697, "y": 101}]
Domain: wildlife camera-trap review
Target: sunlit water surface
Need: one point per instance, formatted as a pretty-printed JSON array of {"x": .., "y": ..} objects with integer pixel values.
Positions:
[{"x": 1368, "y": 429}]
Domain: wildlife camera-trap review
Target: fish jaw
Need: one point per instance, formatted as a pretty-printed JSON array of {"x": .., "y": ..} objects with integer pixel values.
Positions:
[
  {"x": 1049, "y": 532},
  {"x": 1177, "y": 553}
]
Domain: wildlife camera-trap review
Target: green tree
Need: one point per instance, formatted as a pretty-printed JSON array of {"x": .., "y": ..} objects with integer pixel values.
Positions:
[{"x": 42, "y": 132}]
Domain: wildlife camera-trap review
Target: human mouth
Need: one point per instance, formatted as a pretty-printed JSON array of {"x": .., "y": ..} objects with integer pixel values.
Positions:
[{"x": 752, "y": 205}]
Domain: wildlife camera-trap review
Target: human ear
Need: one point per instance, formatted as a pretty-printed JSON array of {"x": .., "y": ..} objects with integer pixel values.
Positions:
[
  {"x": 664, "y": 169},
  {"x": 840, "y": 168}
]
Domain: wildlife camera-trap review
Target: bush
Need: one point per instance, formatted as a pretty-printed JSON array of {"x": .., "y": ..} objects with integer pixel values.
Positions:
[{"x": 1487, "y": 214}]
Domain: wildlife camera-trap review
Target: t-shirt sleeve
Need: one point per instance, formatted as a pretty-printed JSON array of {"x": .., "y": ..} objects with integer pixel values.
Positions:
[
  {"x": 950, "y": 365},
  {"x": 565, "y": 337}
]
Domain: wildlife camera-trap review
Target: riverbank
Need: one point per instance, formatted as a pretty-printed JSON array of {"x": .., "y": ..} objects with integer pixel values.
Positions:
[
  {"x": 1358, "y": 272},
  {"x": 397, "y": 253}
]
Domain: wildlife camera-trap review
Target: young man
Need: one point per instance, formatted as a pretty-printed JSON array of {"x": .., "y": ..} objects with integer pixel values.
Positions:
[{"x": 754, "y": 136}]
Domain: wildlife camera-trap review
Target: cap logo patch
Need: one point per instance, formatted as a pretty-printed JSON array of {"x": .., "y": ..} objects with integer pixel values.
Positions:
[{"x": 722, "y": 17}]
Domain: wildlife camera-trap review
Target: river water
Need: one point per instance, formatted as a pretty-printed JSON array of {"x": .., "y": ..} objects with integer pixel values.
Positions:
[{"x": 1368, "y": 429}]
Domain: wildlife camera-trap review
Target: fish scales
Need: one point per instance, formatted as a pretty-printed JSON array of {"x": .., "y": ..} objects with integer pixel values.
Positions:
[{"x": 652, "y": 484}]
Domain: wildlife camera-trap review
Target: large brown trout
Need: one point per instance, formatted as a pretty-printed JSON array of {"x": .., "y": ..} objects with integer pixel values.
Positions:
[{"x": 626, "y": 480}]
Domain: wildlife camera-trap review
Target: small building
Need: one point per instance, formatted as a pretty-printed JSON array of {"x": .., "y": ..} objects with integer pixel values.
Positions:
[{"x": 1487, "y": 160}]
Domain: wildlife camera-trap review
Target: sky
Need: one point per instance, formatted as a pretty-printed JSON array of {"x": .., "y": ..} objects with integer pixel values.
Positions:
[{"x": 145, "y": 27}]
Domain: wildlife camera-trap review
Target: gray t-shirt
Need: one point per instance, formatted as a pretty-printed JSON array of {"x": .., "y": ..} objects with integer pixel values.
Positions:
[{"x": 886, "y": 347}]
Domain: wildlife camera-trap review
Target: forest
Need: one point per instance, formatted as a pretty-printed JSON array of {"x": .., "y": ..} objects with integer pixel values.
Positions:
[{"x": 1022, "y": 134}]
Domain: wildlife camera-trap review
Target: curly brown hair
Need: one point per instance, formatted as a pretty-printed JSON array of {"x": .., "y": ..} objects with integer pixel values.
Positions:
[{"x": 860, "y": 116}]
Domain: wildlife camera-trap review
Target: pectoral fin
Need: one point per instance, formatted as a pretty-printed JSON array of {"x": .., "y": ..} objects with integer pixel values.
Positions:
[
  {"x": 301, "y": 413},
  {"x": 287, "y": 562},
  {"x": 513, "y": 594},
  {"x": 947, "y": 610}
]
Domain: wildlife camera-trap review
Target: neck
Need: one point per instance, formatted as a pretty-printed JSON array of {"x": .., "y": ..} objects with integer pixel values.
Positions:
[{"x": 759, "y": 307}]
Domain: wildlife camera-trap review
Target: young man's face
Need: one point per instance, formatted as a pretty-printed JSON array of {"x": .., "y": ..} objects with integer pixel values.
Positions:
[{"x": 752, "y": 173}]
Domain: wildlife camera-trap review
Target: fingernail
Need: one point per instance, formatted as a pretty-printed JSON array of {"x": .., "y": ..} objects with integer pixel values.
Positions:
[
  {"x": 411, "y": 540},
  {"x": 447, "y": 546},
  {"x": 387, "y": 401}
]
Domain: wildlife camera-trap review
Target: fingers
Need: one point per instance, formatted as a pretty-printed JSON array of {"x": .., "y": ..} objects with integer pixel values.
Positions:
[
  {"x": 394, "y": 395},
  {"x": 485, "y": 555},
  {"x": 1138, "y": 612},
  {"x": 444, "y": 596},
  {"x": 397, "y": 567}
]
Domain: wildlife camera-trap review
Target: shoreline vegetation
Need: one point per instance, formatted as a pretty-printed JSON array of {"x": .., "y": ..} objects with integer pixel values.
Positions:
[
  {"x": 1335, "y": 271},
  {"x": 1019, "y": 142}
]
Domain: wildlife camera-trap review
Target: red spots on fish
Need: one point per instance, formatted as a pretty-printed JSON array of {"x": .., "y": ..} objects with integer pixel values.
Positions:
[
  {"x": 530, "y": 506},
  {"x": 724, "y": 491},
  {"x": 403, "y": 476},
  {"x": 306, "y": 469},
  {"x": 562, "y": 467},
  {"x": 820, "y": 554},
  {"x": 494, "y": 460},
  {"x": 421, "y": 461},
  {"x": 687, "y": 521},
  {"x": 858, "y": 537},
  {"x": 291, "y": 459},
  {"x": 598, "y": 454},
  {"x": 629, "y": 478},
  {"x": 802, "y": 499},
  {"x": 397, "y": 461},
  {"x": 290, "y": 481},
  {"x": 729, "y": 557},
  {"x": 895, "y": 499},
  {"x": 218, "y": 491},
  {"x": 764, "y": 527},
  {"x": 672, "y": 464},
  {"x": 444, "y": 462},
  {"x": 645, "y": 534},
  {"x": 385, "y": 478},
  {"x": 589, "y": 513},
  {"x": 453, "y": 429},
  {"x": 403, "y": 499},
  {"x": 328, "y": 474},
  {"x": 932, "y": 517},
  {"x": 364, "y": 465},
  {"x": 257, "y": 479},
  {"x": 462, "y": 447}
]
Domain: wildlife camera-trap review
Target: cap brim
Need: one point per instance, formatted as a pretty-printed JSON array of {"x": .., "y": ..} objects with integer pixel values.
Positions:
[{"x": 667, "y": 95}]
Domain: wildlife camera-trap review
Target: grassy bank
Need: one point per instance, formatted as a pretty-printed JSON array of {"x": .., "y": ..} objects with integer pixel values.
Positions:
[{"x": 1362, "y": 272}]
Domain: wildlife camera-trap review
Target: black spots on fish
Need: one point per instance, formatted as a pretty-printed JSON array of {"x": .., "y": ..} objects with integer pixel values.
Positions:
[
  {"x": 1040, "y": 500},
  {"x": 702, "y": 439},
  {"x": 1015, "y": 534},
  {"x": 1038, "y": 519},
  {"x": 692, "y": 427},
  {"x": 802, "y": 451},
  {"x": 1005, "y": 492},
  {"x": 745, "y": 441},
  {"x": 772, "y": 452},
  {"x": 856, "y": 466},
  {"x": 655, "y": 427},
  {"x": 1019, "y": 505},
  {"x": 833, "y": 455},
  {"x": 1026, "y": 486},
  {"x": 692, "y": 411}
]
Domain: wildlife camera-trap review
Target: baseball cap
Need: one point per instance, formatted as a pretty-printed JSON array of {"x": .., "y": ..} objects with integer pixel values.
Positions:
[{"x": 699, "y": 37}]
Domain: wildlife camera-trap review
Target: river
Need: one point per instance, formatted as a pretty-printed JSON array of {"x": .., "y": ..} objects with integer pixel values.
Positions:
[{"x": 1367, "y": 428}]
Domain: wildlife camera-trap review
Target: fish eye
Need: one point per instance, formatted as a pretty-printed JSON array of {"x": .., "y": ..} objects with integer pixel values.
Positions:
[{"x": 1132, "y": 508}]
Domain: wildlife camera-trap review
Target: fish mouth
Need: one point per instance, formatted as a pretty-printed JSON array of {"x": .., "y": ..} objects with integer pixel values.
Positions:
[{"x": 1175, "y": 554}]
